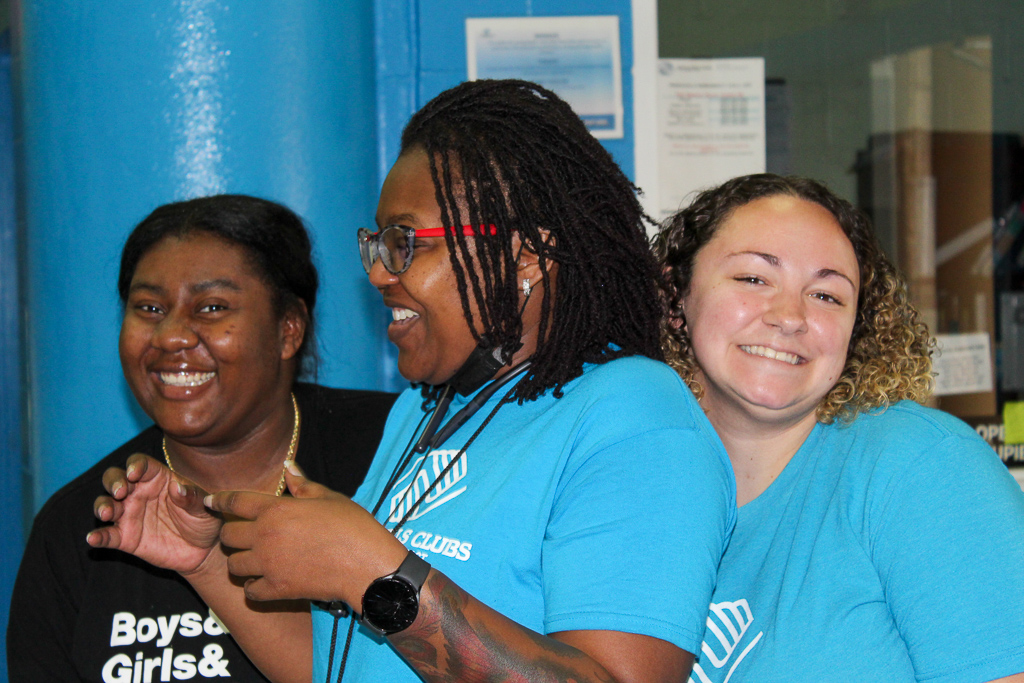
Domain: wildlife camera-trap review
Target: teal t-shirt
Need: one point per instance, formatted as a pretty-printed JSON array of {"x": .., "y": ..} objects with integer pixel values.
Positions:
[
  {"x": 889, "y": 549},
  {"x": 608, "y": 508}
]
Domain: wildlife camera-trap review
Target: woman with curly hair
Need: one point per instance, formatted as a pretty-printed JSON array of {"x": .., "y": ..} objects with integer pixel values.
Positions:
[{"x": 876, "y": 539}]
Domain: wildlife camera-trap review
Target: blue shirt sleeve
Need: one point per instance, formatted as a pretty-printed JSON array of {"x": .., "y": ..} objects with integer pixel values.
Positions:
[
  {"x": 640, "y": 520},
  {"x": 947, "y": 539}
]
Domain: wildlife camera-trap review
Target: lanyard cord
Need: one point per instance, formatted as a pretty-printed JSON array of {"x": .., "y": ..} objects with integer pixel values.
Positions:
[
  {"x": 451, "y": 464},
  {"x": 431, "y": 440},
  {"x": 439, "y": 411},
  {"x": 344, "y": 653},
  {"x": 428, "y": 441},
  {"x": 339, "y": 609}
]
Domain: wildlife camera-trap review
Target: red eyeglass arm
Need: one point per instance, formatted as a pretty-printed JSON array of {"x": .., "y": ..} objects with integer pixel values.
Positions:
[{"x": 467, "y": 230}]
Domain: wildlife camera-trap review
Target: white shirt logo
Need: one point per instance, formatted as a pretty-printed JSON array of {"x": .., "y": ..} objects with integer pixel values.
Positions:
[
  {"x": 409, "y": 488},
  {"x": 727, "y": 623}
]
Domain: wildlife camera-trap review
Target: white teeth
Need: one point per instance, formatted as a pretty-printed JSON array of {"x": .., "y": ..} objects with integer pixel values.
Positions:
[
  {"x": 186, "y": 379},
  {"x": 772, "y": 353},
  {"x": 403, "y": 314}
]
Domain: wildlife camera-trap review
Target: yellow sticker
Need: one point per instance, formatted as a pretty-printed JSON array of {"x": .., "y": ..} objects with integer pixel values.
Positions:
[{"x": 1013, "y": 418}]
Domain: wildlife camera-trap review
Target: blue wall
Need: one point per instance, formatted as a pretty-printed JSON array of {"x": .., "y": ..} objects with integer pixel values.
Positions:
[
  {"x": 421, "y": 51},
  {"x": 128, "y": 105},
  {"x": 11, "y": 531},
  {"x": 123, "y": 106},
  {"x": 421, "y": 48}
]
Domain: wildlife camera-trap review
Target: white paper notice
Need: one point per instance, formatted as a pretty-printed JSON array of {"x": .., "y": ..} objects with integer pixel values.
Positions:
[
  {"x": 963, "y": 364},
  {"x": 710, "y": 125},
  {"x": 578, "y": 58}
]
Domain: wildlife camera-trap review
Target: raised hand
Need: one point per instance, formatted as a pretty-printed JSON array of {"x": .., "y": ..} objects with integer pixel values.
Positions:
[
  {"x": 318, "y": 545},
  {"x": 155, "y": 516}
]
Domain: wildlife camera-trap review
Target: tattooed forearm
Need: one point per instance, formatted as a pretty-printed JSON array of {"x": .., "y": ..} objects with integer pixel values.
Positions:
[{"x": 482, "y": 646}]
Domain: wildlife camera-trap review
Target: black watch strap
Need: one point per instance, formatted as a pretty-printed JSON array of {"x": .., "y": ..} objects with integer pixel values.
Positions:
[
  {"x": 391, "y": 603},
  {"x": 413, "y": 569}
]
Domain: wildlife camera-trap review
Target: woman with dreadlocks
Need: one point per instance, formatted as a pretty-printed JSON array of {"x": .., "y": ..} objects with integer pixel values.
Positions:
[{"x": 528, "y": 515}]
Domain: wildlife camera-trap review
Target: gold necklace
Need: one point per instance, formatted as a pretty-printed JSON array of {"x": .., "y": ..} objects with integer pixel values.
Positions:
[{"x": 292, "y": 447}]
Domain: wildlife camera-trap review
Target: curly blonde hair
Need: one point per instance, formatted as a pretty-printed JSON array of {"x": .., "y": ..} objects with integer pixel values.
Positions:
[{"x": 889, "y": 356}]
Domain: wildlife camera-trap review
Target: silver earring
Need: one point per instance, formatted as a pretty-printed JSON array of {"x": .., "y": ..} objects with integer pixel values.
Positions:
[{"x": 526, "y": 286}]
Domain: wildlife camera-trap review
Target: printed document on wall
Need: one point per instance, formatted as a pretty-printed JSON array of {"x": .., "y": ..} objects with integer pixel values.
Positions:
[
  {"x": 577, "y": 57},
  {"x": 963, "y": 364},
  {"x": 711, "y": 125}
]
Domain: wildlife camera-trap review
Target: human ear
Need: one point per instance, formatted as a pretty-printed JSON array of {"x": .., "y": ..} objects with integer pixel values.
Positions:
[
  {"x": 292, "y": 329},
  {"x": 676, "y": 316},
  {"x": 675, "y": 310},
  {"x": 528, "y": 263}
]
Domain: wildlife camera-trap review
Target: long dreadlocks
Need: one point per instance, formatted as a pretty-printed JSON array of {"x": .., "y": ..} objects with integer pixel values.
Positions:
[{"x": 515, "y": 155}]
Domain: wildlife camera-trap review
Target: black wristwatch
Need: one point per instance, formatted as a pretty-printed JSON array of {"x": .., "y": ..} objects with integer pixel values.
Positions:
[{"x": 391, "y": 603}]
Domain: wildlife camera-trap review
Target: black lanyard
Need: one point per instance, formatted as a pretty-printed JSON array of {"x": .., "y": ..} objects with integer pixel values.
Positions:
[{"x": 431, "y": 439}]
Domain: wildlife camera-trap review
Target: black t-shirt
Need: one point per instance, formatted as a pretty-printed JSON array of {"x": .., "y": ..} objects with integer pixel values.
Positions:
[{"x": 85, "y": 614}]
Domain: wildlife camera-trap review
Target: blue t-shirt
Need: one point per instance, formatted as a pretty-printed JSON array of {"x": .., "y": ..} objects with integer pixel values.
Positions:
[
  {"x": 889, "y": 549},
  {"x": 608, "y": 508}
]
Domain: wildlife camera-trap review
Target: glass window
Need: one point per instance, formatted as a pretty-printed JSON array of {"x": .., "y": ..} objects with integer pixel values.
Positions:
[{"x": 913, "y": 110}]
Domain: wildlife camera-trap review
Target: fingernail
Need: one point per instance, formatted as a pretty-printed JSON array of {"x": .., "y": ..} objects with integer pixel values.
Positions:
[
  {"x": 208, "y": 501},
  {"x": 182, "y": 491},
  {"x": 292, "y": 468},
  {"x": 89, "y": 536},
  {"x": 117, "y": 487}
]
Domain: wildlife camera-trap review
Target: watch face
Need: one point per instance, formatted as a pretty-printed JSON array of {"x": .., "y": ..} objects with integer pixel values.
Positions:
[{"x": 390, "y": 604}]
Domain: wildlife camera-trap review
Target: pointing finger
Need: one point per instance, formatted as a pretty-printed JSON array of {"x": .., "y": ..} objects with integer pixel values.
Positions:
[
  {"x": 241, "y": 504},
  {"x": 301, "y": 487}
]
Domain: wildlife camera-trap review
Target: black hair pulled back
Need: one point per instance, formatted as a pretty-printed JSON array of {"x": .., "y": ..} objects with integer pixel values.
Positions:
[{"x": 273, "y": 237}]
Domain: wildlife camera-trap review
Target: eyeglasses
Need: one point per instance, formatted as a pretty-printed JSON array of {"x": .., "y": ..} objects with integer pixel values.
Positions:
[{"x": 394, "y": 244}]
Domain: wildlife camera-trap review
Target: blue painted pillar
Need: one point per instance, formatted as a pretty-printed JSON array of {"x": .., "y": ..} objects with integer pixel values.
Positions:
[
  {"x": 125, "y": 105},
  {"x": 11, "y": 531}
]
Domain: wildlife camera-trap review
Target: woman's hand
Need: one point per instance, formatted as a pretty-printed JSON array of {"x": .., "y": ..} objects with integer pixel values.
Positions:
[
  {"x": 318, "y": 545},
  {"x": 155, "y": 516}
]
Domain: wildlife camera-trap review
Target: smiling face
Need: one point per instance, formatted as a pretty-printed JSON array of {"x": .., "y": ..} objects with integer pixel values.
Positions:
[
  {"x": 201, "y": 346},
  {"x": 429, "y": 327},
  {"x": 770, "y": 311}
]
